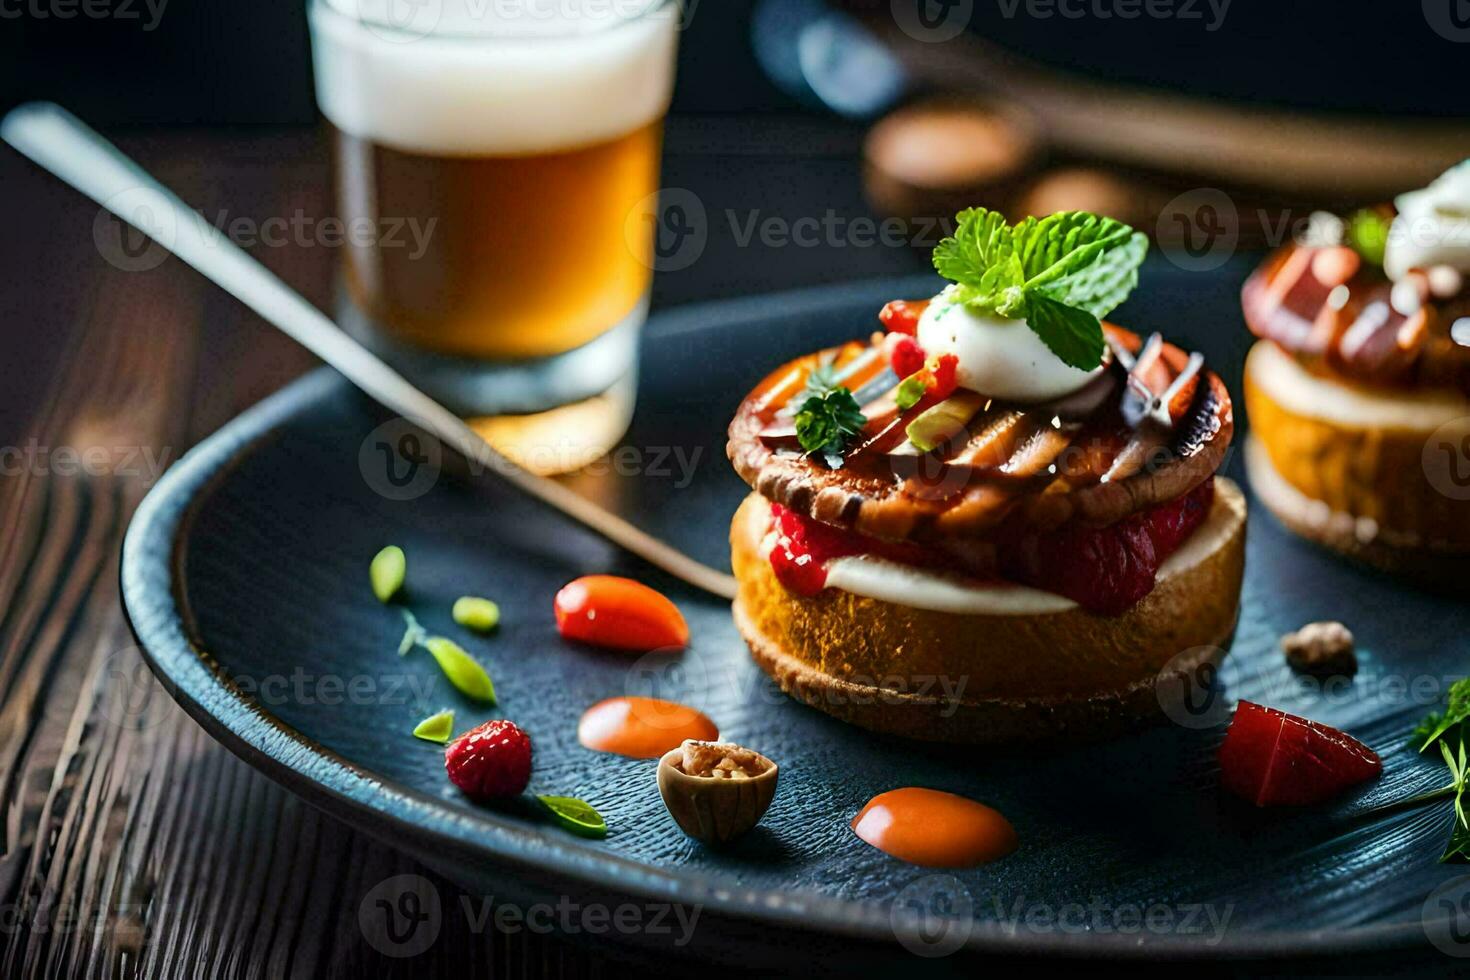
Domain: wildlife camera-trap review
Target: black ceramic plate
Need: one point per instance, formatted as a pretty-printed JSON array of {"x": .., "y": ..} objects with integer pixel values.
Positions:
[{"x": 244, "y": 575}]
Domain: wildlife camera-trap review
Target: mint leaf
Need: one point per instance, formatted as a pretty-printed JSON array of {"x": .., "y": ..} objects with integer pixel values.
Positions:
[
  {"x": 981, "y": 243},
  {"x": 1062, "y": 273},
  {"x": 1080, "y": 259},
  {"x": 1072, "y": 334},
  {"x": 822, "y": 380},
  {"x": 826, "y": 423}
]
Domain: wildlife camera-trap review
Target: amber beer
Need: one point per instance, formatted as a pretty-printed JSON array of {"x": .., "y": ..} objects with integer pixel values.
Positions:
[{"x": 520, "y": 139}]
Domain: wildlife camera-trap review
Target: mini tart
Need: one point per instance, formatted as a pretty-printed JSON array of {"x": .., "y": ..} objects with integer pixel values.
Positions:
[
  {"x": 1032, "y": 665},
  {"x": 1351, "y": 405},
  {"x": 925, "y": 651}
]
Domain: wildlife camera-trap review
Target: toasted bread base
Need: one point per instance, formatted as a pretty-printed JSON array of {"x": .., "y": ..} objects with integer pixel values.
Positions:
[
  {"x": 987, "y": 678},
  {"x": 1360, "y": 489}
]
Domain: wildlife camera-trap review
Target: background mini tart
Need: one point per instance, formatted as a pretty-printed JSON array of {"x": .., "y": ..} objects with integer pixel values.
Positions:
[
  {"x": 1345, "y": 465},
  {"x": 1024, "y": 674}
]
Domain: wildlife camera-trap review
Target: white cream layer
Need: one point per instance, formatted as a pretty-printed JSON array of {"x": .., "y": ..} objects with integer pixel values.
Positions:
[
  {"x": 484, "y": 77},
  {"x": 1300, "y": 392},
  {"x": 919, "y": 588}
]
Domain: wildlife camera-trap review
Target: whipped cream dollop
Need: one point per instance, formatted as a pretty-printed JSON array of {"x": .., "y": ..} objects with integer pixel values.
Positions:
[
  {"x": 997, "y": 357},
  {"x": 1432, "y": 227}
]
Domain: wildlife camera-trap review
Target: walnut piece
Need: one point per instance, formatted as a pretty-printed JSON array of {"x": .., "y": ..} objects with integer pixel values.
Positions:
[
  {"x": 1321, "y": 648},
  {"x": 720, "y": 760}
]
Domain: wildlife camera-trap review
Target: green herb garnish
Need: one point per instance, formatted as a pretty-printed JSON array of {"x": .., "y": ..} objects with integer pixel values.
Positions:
[
  {"x": 463, "y": 671},
  {"x": 575, "y": 815},
  {"x": 1448, "y": 730},
  {"x": 387, "y": 572},
  {"x": 1367, "y": 234},
  {"x": 1062, "y": 274},
  {"x": 413, "y": 634},
  {"x": 826, "y": 423},
  {"x": 472, "y": 612},
  {"x": 436, "y": 728}
]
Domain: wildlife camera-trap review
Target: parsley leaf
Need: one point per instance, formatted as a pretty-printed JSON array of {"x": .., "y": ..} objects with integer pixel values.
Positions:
[
  {"x": 825, "y": 423},
  {"x": 1062, "y": 274},
  {"x": 1455, "y": 714}
]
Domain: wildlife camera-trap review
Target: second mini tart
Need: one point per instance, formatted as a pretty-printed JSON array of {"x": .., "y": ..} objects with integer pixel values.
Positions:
[{"x": 1358, "y": 390}]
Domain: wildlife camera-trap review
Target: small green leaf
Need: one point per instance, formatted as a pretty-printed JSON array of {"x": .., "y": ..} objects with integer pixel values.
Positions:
[
  {"x": 825, "y": 424},
  {"x": 1457, "y": 712},
  {"x": 472, "y": 612},
  {"x": 413, "y": 634},
  {"x": 463, "y": 671},
  {"x": 822, "y": 380},
  {"x": 436, "y": 728},
  {"x": 575, "y": 815},
  {"x": 1071, "y": 334},
  {"x": 387, "y": 572}
]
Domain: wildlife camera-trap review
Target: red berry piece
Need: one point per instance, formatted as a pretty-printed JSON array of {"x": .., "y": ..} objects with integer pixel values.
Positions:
[
  {"x": 490, "y": 762},
  {"x": 902, "y": 316},
  {"x": 905, "y": 355},
  {"x": 944, "y": 376},
  {"x": 1271, "y": 758}
]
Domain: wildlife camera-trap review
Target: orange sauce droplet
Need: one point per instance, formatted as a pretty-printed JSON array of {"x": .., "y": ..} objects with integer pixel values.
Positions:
[
  {"x": 934, "y": 829},
  {"x": 643, "y": 728}
]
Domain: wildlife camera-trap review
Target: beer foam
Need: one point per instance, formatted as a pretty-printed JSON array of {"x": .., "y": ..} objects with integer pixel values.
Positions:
[{"x": 493, "y": 77}]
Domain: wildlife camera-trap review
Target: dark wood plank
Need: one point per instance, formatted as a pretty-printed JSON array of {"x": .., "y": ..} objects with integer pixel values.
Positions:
[{"x": 131, "y": 844}]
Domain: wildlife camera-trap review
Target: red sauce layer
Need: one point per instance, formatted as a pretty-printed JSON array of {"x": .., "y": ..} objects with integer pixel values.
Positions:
[{"x": 1105, "y": 570}]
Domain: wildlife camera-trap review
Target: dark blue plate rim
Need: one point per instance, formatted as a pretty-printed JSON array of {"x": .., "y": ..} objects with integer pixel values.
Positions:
[{"x": 153, "y": 601}]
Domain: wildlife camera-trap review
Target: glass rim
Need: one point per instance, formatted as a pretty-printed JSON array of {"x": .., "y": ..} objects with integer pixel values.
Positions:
[{"x": 335, "y": 11}]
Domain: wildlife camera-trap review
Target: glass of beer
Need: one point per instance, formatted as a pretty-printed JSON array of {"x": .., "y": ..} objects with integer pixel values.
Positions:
[{"x": 497, "y": 168}]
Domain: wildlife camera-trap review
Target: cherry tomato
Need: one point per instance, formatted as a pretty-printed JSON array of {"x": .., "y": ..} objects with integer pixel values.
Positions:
[
  {"x": 619, "y": 613},
  {"x": 902, "y": 315}
]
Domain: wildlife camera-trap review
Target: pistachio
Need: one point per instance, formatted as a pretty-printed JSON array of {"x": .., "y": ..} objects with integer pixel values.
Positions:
[{"x": 716, "y": 791}]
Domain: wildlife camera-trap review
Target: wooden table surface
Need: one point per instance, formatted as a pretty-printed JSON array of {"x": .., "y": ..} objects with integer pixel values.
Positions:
[{"x": 131, "y": 844}]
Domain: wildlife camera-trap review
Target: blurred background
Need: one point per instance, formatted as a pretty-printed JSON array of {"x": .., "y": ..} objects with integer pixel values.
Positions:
[{"x": 907, "y": 108}]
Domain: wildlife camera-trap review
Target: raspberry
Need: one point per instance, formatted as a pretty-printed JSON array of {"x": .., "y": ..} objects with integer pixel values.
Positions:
[
  {"x": 905, "y": 355},
  {"x": 491, "y": 761}
]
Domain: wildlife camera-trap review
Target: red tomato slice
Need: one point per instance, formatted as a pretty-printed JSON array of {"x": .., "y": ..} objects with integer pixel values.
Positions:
[{"x": 609, "y": 611}]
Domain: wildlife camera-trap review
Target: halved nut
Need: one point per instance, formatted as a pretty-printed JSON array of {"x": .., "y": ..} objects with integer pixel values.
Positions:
[{"x": 716, "y": 791}]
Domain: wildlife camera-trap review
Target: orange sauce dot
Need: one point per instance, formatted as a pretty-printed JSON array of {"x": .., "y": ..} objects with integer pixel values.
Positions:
[
  {"x": 643, "y": 728},
  {"x": 934, "y": 829}
]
